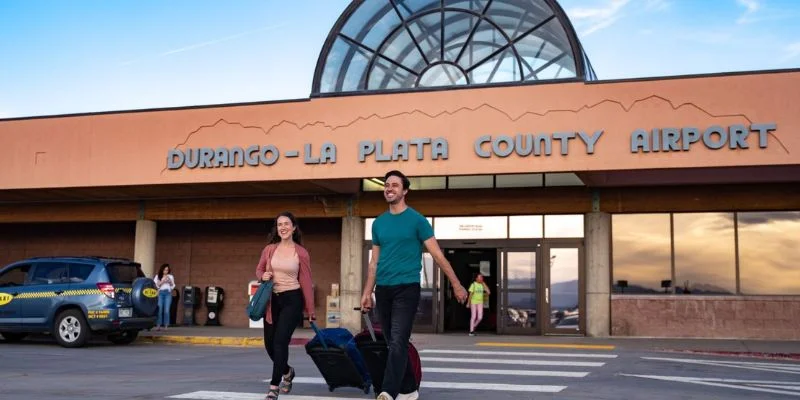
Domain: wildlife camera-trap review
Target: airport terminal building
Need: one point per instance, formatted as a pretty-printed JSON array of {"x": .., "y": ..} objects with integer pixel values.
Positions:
[{"x": 665, "y": 207}]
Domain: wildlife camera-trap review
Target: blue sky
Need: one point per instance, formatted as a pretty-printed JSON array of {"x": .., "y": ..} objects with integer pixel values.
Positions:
[{"x": 59, "y": 57}]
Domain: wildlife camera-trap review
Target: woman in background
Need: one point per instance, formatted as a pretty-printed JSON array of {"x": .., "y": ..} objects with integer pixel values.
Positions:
[{"x": 165, "y": 283}]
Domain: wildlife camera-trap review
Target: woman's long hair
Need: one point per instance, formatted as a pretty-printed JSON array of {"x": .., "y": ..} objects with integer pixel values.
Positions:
[
  {"x": 161, "y": 271},
  {"x": 274, "y": 237}
]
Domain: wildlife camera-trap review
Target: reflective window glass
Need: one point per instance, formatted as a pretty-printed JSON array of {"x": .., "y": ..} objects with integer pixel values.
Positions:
[
  {"x": 428, "y": 183},
  {"x": 563, "y": 226},
  {"x": 641, "y": 252},
  {"x": 519, "y": 180},
  {"x": 769, "y": 253},
  {"x": 525, "y": 226},
  {"x": 450, "y": 42},
  {"x": 522, "y": 270},
  {"x": 521, "y": 310},
  {"x": 470, "y": 182},
  {"x": 567, "y": 179},
  {"x": 705, "y": 255}
]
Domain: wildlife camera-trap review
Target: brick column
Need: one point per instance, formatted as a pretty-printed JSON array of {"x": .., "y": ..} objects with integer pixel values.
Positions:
[
  {"x": 598, "y": 274},
  {"x": 144, "y": 251},
  {"x": 350, "y": 282}
]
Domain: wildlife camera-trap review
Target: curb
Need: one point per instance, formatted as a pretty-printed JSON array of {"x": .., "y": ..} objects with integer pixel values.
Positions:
[
  {"x": 740, "y": 354},
  {"x": 214, "y": 341}
]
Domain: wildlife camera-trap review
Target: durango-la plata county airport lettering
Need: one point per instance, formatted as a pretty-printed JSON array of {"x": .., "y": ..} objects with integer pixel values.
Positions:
[{"x": 665, "y": 139}]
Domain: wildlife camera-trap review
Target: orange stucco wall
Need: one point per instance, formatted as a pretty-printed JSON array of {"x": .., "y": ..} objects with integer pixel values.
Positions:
[{"x": 131, "y": 148}]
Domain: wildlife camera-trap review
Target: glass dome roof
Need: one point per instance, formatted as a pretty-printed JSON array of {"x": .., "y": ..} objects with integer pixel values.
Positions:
[{"x": 379, "y": 45}]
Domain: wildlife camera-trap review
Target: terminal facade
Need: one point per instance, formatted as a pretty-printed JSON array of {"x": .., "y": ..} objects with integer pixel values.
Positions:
[{"x": 665, "y": 207}]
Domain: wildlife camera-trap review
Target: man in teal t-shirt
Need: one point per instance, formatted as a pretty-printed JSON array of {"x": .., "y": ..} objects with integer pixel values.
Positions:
[{"x": 398, "y": 237}]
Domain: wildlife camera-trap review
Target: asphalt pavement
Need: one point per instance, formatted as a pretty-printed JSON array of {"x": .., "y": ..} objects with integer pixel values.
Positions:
[{"x": 475, "y": 368}]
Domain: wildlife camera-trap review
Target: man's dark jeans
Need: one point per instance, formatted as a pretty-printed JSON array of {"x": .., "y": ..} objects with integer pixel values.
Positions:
[{"x": 397, "y": 307}]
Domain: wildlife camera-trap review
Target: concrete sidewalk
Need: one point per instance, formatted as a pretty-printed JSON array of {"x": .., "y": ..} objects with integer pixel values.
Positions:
[{"x": 252, "y": 337}]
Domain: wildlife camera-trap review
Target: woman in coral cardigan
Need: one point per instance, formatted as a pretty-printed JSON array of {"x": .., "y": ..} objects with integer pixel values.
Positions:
[{"x": 287, "y": 263}]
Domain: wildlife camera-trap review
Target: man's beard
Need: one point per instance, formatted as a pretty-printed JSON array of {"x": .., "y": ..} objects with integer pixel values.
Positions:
[{"x": 396, "y": 200}]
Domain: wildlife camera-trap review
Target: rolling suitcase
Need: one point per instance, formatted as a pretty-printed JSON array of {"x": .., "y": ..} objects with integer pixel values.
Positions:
[
  {"x": 337, "y": 358},
  {"x": 374, "y": 350}
]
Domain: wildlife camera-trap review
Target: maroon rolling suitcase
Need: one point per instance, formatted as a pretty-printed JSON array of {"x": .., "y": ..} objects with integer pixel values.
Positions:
[{"x": 372, "y": 345}]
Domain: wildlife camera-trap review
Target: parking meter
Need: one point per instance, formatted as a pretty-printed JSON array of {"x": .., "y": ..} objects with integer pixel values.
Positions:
[
  {"x": 215, "y": 297},
  {"x": 191, "y": 301}
]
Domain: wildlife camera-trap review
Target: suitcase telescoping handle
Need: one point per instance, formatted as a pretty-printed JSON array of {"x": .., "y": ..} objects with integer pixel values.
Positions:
[
  {"x": 319, "y": 335},
  {"x": 367, "y": 322}
]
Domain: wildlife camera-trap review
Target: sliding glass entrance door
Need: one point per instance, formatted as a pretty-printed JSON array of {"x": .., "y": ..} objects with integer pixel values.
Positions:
[{"x": 518, "y": 291}]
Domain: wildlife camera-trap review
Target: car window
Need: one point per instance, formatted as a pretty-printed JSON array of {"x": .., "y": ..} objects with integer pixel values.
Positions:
[
  {"x": 48, "y": 273},
  {"x": 79, "y": 272},
  {"x": 15, "y": 276},
  {"x": 124, "y": 273}
]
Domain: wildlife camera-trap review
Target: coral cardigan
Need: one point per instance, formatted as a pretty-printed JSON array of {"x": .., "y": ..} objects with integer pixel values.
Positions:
[{"x": 303, "y": 275}]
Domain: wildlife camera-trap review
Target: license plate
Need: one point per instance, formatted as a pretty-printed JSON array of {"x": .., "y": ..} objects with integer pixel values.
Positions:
[{"x": 125, "y": 312}]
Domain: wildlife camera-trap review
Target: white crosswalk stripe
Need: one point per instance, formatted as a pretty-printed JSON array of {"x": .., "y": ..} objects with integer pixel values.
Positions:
[{"x": 484, "y": 371}]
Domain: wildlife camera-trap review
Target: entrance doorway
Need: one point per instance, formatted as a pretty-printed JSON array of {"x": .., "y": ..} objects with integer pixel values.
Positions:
[
  {"x": 467, "y": 263},
  {"x": 536, "y": 287}
]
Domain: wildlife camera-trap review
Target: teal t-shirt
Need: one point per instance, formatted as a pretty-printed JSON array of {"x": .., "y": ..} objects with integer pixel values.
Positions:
[{"x": 400, "y": 237}]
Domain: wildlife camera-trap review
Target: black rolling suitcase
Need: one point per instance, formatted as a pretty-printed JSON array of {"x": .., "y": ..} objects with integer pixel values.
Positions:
[
  {"x": 374, "y": 350},
  {"x": 337, "y": 358}
]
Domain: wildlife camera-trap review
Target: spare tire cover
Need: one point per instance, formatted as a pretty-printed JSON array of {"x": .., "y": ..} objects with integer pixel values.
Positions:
[{"x": 144, "y": 296}]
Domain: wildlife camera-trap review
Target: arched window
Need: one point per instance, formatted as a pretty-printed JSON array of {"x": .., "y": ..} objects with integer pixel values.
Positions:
[{"x": 407, "y": 44}]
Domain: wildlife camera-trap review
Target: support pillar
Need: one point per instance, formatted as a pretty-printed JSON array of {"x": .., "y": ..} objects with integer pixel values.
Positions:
[
  {"x": 144, "y": 251},
  {"x": 351, "y": 272},
  {"x": 598, "y": 274}
]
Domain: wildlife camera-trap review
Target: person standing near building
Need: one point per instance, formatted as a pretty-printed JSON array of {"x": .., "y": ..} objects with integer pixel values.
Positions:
[
  {"x": 165, "y": 283},
  {"x": 286, "y": 262},
  {"x": 398, "y": 236},
  {"x": 477, "y": 291}
]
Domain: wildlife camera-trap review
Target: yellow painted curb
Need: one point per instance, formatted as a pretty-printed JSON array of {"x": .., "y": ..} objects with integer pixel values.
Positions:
[
  {"x": 206, "y": 340},
  {"x": 549, "y": 345}
]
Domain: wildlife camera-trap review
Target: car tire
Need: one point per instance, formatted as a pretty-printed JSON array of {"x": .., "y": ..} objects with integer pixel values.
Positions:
[
  {"x": 13, "y": 337},
  {"x": 144, "y": 297},
  {"x": 70, "y": 329},
  {"x": 125, "y": 337}
]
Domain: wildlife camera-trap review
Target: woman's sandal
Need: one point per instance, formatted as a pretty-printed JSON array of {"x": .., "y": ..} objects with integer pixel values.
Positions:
[
  {"x": 273, "y": 393},
  {"x": 286, "y": 382}
]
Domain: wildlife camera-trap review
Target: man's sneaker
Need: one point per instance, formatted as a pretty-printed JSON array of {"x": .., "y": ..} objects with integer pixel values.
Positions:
[
  {"x": 409, "y": 396},
  {"x": 384, "y": 396}
]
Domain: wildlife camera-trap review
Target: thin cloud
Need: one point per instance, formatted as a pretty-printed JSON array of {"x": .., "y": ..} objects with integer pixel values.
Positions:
[
  {"x": 755, "y": 11},
  {"x": 598, "y": 18},
  {"x": 751, "y": 8},
  {"x": 791, "y": 51},
  {"x": 657, "y": 5},
  {"x": 207, "y": 43}
]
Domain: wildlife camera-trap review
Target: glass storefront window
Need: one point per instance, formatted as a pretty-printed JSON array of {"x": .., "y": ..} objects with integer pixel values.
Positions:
[
  {"x": 426, "y": 272},
  {"x": 769, "y": 250},
  {"x": 368, "y": 228},
  {"x": 471, "y": 228},
  {"x": 642, "y": 256},
  {"x": 526, "y": 227},
  {"x": 519, "y": 180},
  {"x": 705, "y": 254},
  {"x": 521, "y": 270},
  {"x": 428, "y": 183},
  {"x": 471, "y": 182},
  {"x": 567, "y": 179},
  {"x": 521, "y": 311},
  {"x": 563, "y": 226}
]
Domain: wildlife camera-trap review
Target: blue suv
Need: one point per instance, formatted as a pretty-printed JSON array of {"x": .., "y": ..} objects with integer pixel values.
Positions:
[{"x": 75, "y": 297}]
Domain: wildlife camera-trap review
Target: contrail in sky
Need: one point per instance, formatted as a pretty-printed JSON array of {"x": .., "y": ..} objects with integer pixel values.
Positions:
[{"x": 208, "y": 43}]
